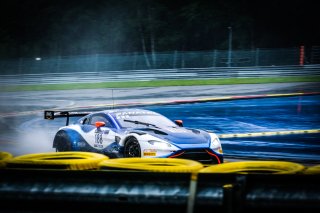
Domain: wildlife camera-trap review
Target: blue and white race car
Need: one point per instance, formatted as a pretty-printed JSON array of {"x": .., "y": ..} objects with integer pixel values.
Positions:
[{"x": 135, "y": 133}]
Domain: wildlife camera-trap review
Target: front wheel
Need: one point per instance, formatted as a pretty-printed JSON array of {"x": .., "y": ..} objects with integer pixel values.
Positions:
[{"x": 132, "y": 148}]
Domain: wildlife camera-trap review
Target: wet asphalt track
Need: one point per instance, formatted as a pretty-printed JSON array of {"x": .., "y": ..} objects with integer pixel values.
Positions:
[
  {"x": 24, "y": 131},
  {"x": 257, "y": 115}
]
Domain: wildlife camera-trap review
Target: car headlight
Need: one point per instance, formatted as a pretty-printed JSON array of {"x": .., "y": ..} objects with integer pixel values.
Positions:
[
  {"x": 159, "y": 144},
  {"x": 215, "y": 144}
]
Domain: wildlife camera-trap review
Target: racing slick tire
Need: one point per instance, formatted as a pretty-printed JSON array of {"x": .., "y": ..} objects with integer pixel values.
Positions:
[
  {"x": 58, "y": 160},
  {"x": 312, "y": 170},
  {"x": 152, "y": 165},
  {"x": 269, "y": 167},
  {"x": 4, "y": 157},
  {"x": 132, "y": 148},
  {"x": 62, "y": 142}
]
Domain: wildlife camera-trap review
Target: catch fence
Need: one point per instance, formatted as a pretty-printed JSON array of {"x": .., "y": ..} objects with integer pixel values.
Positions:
[{"x": 161, "y": 66}]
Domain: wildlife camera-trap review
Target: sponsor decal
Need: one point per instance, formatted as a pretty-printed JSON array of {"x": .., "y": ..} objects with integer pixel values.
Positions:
[
  {"x": 81, "y": 144},
  {"x": 125, "y": 115},
  {"x": 149, "y": 152},
  {"x": 105, "y": 132}
]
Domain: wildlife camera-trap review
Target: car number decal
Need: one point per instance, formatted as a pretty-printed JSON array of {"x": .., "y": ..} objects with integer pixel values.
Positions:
[{"x": 98, "y": 140}]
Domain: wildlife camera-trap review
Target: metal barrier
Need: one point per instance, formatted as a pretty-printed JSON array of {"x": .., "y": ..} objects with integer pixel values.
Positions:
[
  {"x": 160, "y": 74},
  {"x": 257, "y": 193},
  {"x": 92, "y": 191},
  {"x": 156, "y": 60},
  {"x": 123, "y": 191}
]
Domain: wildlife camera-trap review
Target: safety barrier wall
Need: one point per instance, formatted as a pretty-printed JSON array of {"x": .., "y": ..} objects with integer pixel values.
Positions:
[
  {"x": 91, "y": 182},
  {"x": 23, "y": 190},
  {"x": 160, "y": 74}
]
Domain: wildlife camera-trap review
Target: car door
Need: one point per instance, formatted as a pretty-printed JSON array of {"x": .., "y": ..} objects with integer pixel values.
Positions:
[{"x": 100, "y": 137}]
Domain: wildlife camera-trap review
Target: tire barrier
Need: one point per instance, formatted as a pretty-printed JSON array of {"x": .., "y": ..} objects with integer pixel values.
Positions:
[
  {"x": 273, "y": 167},
  {"x": 58, "y": 160},
  {"x": 152, "y": 165},
  {"x": 4, "y": 157},
  {"x": 312, "y": 170}
]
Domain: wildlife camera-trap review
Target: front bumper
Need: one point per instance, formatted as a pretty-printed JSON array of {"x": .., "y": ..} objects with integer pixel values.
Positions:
[{"x": 205, "y": 156}]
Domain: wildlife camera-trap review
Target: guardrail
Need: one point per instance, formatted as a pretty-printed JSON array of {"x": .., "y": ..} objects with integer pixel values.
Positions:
[
  {"x": 24, "y": 190},
  {"x": 160, "y": 74}
]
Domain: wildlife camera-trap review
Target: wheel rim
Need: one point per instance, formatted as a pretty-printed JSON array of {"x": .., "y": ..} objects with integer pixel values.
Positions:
[{"x": 133, "y": 149}]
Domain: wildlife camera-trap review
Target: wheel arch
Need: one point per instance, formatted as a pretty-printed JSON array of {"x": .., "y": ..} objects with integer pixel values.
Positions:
[
  {"x": 127, "y": 137},
  {"x": 57, "y": 138},
  {"x": 66, "y": 135},
  {"x": 125, "y": 141},
  {"x": 129, "y": 147}
]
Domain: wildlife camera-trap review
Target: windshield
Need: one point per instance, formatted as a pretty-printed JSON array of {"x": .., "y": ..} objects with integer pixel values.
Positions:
[{"x": 138, "y": 119}]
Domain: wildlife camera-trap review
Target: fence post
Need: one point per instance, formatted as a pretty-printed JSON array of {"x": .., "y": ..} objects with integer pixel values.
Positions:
[
  {"x": 96, "y": 62},
  {"x": 182, "y": 60},
  {"x": 20, "y": 65},
  {"x": 214, "y": 63},
  {"x": 175, "y": 59},
  {"x": 134, "y": 60},
  {"x": 58, "y": 63},
  {"x": 230, "y": 47},
  {"x": 301, "y": 61}
]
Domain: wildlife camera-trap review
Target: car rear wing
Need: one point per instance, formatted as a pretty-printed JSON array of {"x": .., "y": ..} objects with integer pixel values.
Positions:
[{"x": 51, "y": 115}]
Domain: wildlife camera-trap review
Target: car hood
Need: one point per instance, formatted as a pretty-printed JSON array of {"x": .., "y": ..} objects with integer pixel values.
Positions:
[{"x": 179, "y": 136}]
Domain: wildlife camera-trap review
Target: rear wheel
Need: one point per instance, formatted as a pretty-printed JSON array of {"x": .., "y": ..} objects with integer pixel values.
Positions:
[
  {"x": 132, "y": 148},
  {"x": 62, "y": 142}
]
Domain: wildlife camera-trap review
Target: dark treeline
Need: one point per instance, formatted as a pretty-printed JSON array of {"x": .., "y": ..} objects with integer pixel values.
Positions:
[{"x": 71, "y": 27}]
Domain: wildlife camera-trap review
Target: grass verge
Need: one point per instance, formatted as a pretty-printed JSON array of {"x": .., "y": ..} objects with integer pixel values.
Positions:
[{"x": 158, "y": 83}]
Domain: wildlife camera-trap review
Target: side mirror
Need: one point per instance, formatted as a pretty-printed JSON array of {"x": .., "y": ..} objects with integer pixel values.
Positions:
[
  {"x": 179, "y": 123},
  {"x": 100, "y": 124}
]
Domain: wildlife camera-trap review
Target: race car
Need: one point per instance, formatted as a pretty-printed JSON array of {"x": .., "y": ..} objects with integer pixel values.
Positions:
[{"x": 135, "y": 133}]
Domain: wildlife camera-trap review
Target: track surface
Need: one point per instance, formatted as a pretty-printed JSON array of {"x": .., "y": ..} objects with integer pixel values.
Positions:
[
  {"x": 257, "y": 115},
  {"x": 23, "y": 129}
]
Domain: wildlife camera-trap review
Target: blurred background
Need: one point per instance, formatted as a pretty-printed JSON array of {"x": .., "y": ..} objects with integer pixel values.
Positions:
[{"x": 158, "y": 31}]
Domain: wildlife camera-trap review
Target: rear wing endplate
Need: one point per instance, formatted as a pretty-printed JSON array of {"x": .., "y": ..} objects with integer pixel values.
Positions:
[{"x": 51, "y": 115}]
